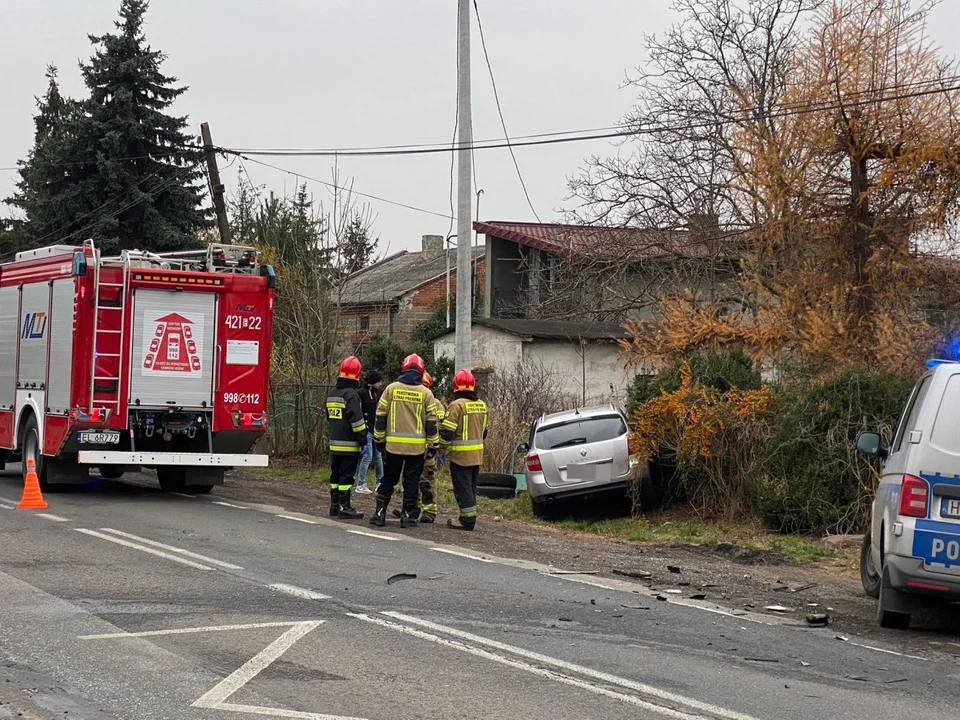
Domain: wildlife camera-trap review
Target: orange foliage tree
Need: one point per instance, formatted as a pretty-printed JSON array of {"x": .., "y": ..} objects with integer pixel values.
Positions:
[{"x": 832, "y": 137}]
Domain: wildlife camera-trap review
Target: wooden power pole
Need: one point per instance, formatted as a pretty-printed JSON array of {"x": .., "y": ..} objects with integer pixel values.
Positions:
[{"x": 216, "y": 187}]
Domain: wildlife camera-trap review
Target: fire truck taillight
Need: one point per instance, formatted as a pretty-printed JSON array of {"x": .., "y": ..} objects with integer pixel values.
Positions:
[
  {"x": 95, "y": 415},
  {"x": 249, "y": 420}
]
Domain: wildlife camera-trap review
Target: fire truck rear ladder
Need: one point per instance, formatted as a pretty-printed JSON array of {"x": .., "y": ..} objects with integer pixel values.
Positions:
[{"x": 98, "y": 330}]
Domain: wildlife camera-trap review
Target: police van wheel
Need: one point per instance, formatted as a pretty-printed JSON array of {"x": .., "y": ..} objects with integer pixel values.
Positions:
[{"x": 868, "y": 573}]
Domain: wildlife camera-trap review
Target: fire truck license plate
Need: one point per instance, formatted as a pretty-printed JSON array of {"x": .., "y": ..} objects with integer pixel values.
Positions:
[{"x": 98, "y": 437}]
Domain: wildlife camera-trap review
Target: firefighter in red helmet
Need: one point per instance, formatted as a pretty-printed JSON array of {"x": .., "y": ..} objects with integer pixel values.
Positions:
[
  {"x": 347, "y": 435},
  {"x": 428, "y": 497},
  {"x": 462, "y": 433},
  {"x": 406, "y": 430}
]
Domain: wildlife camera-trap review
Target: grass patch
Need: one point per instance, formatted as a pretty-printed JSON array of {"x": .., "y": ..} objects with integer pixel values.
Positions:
[{"x": 674, "y": 527}]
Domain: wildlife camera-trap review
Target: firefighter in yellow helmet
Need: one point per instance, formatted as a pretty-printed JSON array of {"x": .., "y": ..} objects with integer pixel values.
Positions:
[
  {"x": 462, "y": 433},
  {"x": 406, "y": 429},
  {"x": 428, "y": 497}
]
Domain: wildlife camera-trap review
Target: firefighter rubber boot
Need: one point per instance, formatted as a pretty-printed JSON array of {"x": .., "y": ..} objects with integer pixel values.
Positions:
[
  {"x": 334, "y": 503},
  {"x": 379, "y": 517},
  {"x": 409, "y": 518},
  {"x": 462, "y": 523},
  {"x": 428, "y": 516},
  {"x": 347, "y": 511}
]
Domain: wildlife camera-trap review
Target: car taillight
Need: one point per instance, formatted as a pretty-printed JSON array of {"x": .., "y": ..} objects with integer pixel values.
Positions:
[
  {"x": 533, "y": 463},
  {"x": 631, "y": 448},
  {"x": 914, "y": 497}
]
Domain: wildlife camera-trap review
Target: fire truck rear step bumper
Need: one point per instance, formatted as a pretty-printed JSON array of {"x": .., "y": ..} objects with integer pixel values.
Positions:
[{"x": 96, "y": 457}]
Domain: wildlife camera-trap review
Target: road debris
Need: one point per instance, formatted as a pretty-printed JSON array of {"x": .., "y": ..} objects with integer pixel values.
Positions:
[
  {"x": 639, "y": 574},
  {"x": 674, "y": 569},
  {"x": 788, "y": 589},
  {"x": 573, "y": 572},
  {"x": 565, "y": 619},
  {"x": 698, "y": 596},
  {"x": 818, "y": 619},
  {"x": 636, "y": 607},
  {"x": 762, "y": 660},
  {"x": 777, "y": 609},
  {"x": 401, "y": 576},
  {"x": 438, "y": 576}
]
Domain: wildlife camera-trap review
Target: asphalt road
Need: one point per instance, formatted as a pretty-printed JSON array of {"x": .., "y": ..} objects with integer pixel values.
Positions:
[{"x": 119, "y": 601}]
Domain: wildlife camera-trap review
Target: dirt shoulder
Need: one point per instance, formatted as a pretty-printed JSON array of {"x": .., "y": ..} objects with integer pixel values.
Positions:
[{"x": 734, "y": 577}]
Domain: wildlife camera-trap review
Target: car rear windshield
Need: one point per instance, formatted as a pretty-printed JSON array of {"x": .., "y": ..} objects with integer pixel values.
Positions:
[{"x": 580, "y": 432}]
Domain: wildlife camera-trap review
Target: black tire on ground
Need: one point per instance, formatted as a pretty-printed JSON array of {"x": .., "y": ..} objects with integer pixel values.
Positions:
[
  {"x": 172, "y": 478},
  {"x": 31, "y": 450},
  {"x": 198, "y": 489},
  {"x": 496, "y": 493},
  {"x": 541, "y": 509},
  {"x": 888, "y": 617},
  {"x": 111, "y": 473},
  {"x": 868, "y": 572},
  {"x": 497, "y": 480}
]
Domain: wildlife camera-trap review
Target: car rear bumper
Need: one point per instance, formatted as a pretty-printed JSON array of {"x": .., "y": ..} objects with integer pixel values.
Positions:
[
  {"x": 545, "y": 493},
  {"x": 909, "y": 574}
]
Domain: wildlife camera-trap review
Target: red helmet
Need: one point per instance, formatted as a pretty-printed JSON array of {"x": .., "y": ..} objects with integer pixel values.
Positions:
[
  {"x": 413, "y": 362},
  {"x": 427, "y": 380},
  {"x": 464, "y": 381},
  {"x": 350, "y": 368}
]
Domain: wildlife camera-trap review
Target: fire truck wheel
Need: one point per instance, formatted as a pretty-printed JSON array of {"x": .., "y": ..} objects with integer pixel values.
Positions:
[
  {"x": 31, "y": 449},
  {"x": 199, "y": 489},
  {"x": 172, "y": 479},
  {"x": 111, "y": 473}
]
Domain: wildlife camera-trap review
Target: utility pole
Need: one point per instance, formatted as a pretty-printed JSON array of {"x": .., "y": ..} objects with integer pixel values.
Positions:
[
  {"x": 216, "y": 187},
  {"x": 464, "y": 193}
]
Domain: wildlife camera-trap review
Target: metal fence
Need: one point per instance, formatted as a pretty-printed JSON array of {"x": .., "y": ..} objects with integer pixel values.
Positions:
[{"x": 296, "y": 421}]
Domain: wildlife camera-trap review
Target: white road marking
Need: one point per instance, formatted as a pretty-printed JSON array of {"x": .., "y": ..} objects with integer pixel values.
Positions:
[
  {"x": 374, "y": 535},
  {"x": 290, "y": 517},
  {"x": 254, "y": 666},
  {"x": 279, "y": 712},
  {"x": 574, "y": 668},
  {"x": 192, "y": 497},
  {"x": 171, "y": 548},
  {"x": 226, "y": 504},
  {"x": 8, "y": 507},
  {"x": 143, "y": 548},
  {"x": 298, "y": 592},
  {"x": 889, "y": 652},
  {"x": 461, "y": 554},
  {"x": 542, "y": 672},
  {"x": 582, "y": 581},
  {"x": 185, "y": 631},
  {"x": 51, "y": 516}
]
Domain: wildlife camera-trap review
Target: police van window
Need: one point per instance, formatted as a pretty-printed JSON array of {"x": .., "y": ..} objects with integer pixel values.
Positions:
[
  {"x": 946, "y": 428},
  {"x": 912, "y": 412}
]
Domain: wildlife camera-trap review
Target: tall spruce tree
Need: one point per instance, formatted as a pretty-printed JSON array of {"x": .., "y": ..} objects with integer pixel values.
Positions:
[
  {"x": 46, "y": 174},
  {"x": 140, "y": 187}
]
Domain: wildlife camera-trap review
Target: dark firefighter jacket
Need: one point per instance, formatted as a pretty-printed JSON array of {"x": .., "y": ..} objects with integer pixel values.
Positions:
[{"x": 348, "y": 430}]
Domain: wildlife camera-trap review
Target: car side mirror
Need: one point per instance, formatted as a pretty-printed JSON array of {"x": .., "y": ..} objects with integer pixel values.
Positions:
[
  {"x": 870, "y": 443},
  {"x": 523, "y": 448}
]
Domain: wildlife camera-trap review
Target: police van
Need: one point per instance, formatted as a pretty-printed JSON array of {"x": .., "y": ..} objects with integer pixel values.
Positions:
[{"x": 912, "y": 553}]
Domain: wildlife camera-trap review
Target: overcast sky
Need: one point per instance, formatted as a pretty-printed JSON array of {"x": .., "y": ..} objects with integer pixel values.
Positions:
[{"x": 349, "y": 73}]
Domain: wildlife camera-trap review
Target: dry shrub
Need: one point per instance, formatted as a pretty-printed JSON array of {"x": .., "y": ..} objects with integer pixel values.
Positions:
[
  {"x": 515, "y": 399},
  {"x": 712, "y": 436}
]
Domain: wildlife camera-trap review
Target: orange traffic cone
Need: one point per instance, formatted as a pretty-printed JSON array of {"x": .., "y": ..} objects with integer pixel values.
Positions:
[{"x": 32, "y": 498}]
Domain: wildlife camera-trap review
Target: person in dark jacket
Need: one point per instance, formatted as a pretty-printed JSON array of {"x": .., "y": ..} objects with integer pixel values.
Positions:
[
  {"x": 369, "y": 397},
  {"x": 347, "y": 435}
]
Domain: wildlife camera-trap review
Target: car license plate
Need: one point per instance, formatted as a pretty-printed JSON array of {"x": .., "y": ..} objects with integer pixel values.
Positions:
[
  {"x": 589, "y": 471},
  {"x": 98, "y": 437},
  {"x": 950, "y": 508}
]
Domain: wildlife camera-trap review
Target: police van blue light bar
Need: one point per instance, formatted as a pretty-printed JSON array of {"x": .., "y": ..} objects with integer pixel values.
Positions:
[{"x": 934, "y": 362}]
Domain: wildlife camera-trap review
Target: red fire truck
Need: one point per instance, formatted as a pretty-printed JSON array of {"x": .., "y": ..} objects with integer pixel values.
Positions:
[{"x": 138, "y": 360}]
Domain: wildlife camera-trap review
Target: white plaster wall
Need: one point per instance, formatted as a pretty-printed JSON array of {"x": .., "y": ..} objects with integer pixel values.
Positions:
[
  {"x": 490, "y": 348},
  {"x": 589, "y": 370}
]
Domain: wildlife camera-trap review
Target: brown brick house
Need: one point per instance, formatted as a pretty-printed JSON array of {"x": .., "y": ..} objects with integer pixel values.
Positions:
[{"x": 398, "y": 293}]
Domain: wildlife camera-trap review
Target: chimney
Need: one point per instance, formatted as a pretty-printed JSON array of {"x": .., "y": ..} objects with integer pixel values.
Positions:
[
  {"x": 432, "y": 246},
  {"x": 703, "y": 226}
]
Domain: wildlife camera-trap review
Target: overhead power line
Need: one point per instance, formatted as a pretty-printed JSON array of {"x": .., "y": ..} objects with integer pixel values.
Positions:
[
  {"x": 503, "y": 123},
  {"x": 786, "y": 111},
  {"x": 338, "y": 187}
]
